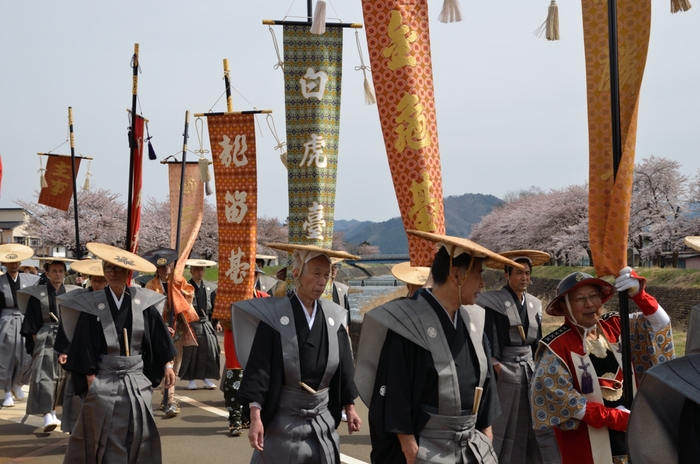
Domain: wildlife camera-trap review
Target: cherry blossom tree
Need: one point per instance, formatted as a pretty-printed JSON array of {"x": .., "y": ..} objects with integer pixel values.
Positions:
[{"x": 101, "y": 218}]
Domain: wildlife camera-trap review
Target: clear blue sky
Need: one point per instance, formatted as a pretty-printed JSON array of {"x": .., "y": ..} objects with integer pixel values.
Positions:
[{"x": 511, "y": 107}]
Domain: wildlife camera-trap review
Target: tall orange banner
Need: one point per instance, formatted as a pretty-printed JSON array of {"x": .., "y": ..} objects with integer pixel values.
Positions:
[
  {"x": 398, "y": 38},
  {"x": 192, "y": 206},
  {"x": 610, "y": 196},
  {"x": 232, "y": 139},
  {"x": 59, "y": 179}
]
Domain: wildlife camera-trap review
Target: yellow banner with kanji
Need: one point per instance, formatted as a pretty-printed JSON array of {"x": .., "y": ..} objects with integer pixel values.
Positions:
[
  {"x": 192, "y": 208},
  {"x": 59, "y": 179},
  {"x": 610, "y": 196},
  {"x": 232, "y": 139},
  {"x": 398, "y": 39}
]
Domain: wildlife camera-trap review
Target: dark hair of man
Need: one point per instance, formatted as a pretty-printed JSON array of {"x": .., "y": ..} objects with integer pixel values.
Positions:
[
  {"x": 441, "y": 265},
  {"x": 48, "y": 264},
  {"x": 509, "y": 269}
]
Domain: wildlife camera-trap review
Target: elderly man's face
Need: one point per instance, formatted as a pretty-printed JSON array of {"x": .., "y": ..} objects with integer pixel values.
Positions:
[
  {"x": 116, "y": 276},
  {"x": 586, "y": 305},
  {"x": 56, "y": 273},
  {"x": 312, "y": 283}
]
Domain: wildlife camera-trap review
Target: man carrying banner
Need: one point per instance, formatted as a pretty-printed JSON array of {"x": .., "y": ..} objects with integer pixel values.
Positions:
[
  {"x": 14, "y": 361},
  {"x": 578, "y": 382},
  {"x": 298, "y": 366},
  {"x": 119, "y": 349},
  {"x": 423, "y": 365},
  {"x": 514, "y": 328},
  {"x": 202, "y": 361},
  {"x": 164, "y": 260},
  {"x": 40, "y": 328}
]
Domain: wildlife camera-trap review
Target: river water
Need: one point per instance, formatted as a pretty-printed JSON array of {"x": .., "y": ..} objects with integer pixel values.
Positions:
[{"x": 361, "y": 296}]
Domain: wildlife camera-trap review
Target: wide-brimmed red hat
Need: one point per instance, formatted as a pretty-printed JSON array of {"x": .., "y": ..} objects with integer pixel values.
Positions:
[{"x": 574, "y": 281}]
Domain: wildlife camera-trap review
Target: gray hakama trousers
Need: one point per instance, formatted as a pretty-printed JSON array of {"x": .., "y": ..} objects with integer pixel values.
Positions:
[
  {"x": 46, "y": 375},
  {"x": 14, "y": 360},
  {"x": 202, "y": 361},
  {"x": 514, "y": 439},
  {"x": 116, "y": 424},
  {"x": 454, "y": 440},
  {"x": 303, "y": 431}
]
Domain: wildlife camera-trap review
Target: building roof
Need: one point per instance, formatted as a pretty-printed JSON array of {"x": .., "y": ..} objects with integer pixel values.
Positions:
[{"x": 10, "y": 224}]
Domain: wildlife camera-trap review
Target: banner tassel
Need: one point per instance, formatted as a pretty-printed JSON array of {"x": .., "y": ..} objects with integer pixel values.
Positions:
[
  {"x": 151, "y": 151},
  {"x": 370, "y": 98},
  {"x": 42, "y": 175},
  {"x": 550, "y": 26},
  {"x": 204, "y": 174},
  {"x": 280, "y": 145},
  {"x": 680, "y": 5},
  {"x": 451, "y": 12},
  {"x": 86, "y": 186},
  {"x": 318, "y": 26}
]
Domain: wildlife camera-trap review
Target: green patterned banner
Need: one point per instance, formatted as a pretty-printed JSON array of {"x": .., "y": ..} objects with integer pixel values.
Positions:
[{"x": 312, "y": 78}]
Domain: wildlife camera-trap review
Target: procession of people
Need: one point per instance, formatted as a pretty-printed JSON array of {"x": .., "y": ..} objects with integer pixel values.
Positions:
[{"x": 449, "y": 372}]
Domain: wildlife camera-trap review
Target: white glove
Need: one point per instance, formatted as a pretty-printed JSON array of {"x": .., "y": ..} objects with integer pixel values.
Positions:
[
  {"x": 622, "y": 408},
  {"x": 627, "y": 282}
]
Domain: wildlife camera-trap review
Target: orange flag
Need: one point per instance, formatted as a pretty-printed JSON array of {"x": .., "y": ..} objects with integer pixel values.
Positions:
[
  {"x": 59, "y": 178},
  {"x": 398, "y": 39},
  {"x": 609, "y": 197}
]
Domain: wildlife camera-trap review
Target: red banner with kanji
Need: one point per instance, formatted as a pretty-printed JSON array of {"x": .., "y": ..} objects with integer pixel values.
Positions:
[
  {"x": 59, "y": 179},
  {"x": 398, "y": 38},
  {"x": 137, "y": 185},
  {"x": 232, "y": 139}
]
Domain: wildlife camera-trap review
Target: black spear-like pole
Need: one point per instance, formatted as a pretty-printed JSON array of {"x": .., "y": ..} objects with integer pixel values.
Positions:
[
  {"x": 182, "y": 180},
  {"x": 132, "y": 145},
  {"x": 78, "y": 254},
  {"x": 309, "y": 10},
  {"x": 627, "y": 391}
]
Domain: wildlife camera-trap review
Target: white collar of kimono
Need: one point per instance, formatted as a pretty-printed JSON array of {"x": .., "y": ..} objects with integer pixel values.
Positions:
[
  {"x": 309, "y": 318},
  {"x": 117, "y": 301}
]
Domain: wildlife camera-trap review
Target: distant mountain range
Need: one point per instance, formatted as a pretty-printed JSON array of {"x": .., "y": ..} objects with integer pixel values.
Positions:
[{"x": 461, "y": 213}]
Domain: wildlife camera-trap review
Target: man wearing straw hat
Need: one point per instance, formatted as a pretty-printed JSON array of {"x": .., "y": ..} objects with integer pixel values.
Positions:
[
  {"x": 119, "y": 350},
  {"x": 202, "y": 361},
  {"x": 423, "y": 366},
  {"x": 40, "y": 328},
  {"x": 514, "y": 328},
  {"x": 72, "y": 403},
  {"x": 578, "y": 382},
  {"x": 664, "y": 424},
  {"x": 14, "y": 361},
  {"x": 415, "y": 277},
  {"x": 164, "y": 261},
  {"x": 298, "y": 366}
]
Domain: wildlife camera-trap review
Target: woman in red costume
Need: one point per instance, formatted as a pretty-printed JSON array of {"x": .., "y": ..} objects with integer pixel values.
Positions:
[{"x": 577, "y": 385}]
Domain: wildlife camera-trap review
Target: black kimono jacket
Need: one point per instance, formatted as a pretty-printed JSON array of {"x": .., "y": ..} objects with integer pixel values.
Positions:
[
  {"x": 263, "y": 377},
  {"x": 88, "y": 343},
  {"x": 411, "y": 383}
]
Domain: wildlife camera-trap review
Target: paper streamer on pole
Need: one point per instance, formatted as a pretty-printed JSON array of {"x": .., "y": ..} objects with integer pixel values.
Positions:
[
  {"x": 609, "y": 196},
  {"x": 192, "y": 207},
  {"x": 312, "y": 79},
  {"x": 232, "y": 139},
  {"x": 59, "y": 191},
  {"x": 398, "y": 38},
  {"x": 137, "y": 185}
]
